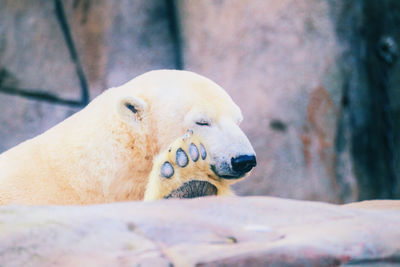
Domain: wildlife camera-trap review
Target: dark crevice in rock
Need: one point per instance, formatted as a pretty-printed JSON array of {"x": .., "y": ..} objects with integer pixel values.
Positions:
[
  {"x": 175, "y": 32},
  {"x": 59, "y": 10},
  {"x": 9, "y": 85},
  {"x": 41, "y": 94},
  {"x": 374, "y": 261},
  {"x": 369, "y": 96},
  {"x": 380, "y": 145}
]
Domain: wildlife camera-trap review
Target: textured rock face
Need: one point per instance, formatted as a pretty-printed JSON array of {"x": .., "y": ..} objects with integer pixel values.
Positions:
[
  {"x": 317, "y": 80},
  {"x": 113, "y": 42},
  {"x": 250, "y": 231},
  {"x": 119, "y": 40},
  {"x": 33, "y": 50},
  {"x": 278, "y": 60},
  {"x": 21, "y": 118},
  {"x": 32, "y": 54},
  {"x": 371, "y": 101}
]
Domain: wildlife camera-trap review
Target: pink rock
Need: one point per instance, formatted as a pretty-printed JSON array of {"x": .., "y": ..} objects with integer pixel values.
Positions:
[{"x": 242, "y": 231}]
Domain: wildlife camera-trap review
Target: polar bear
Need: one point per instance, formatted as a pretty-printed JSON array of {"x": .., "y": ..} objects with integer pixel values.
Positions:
[{"x": 166, "y": 133}]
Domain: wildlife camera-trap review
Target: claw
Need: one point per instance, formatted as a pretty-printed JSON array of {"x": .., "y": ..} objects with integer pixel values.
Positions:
[{"x": 188, "y": 134}]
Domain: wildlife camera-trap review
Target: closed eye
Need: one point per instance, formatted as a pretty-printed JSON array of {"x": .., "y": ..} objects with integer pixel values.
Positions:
[{"x": 203, "y": 123}]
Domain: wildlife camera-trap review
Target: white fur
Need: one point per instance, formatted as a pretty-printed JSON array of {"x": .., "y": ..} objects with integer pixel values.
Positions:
[{"x": 105, "y": 153}]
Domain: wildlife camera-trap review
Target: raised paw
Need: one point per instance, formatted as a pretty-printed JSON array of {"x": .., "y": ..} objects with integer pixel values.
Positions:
[{"x": 183, "y": 171}]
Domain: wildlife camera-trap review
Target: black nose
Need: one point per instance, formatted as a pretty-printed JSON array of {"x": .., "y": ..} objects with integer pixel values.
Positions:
[{"x": 243, "y": 163}]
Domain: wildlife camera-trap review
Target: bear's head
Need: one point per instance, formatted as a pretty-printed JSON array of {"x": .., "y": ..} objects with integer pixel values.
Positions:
[{"x": 167, "y": 103}]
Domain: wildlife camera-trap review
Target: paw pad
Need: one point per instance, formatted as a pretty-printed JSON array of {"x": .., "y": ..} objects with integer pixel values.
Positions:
[
  {"x": 181, "y": 158},
  {"x": 183, "y": 170},
  {"x": 203, "y": 152},
  {"x": 167, "y": 170},
  {"x": 193, "y": 152}
]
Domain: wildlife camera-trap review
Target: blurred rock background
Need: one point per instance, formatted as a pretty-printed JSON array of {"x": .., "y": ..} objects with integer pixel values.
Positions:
[{"x": 317, "y": 80}]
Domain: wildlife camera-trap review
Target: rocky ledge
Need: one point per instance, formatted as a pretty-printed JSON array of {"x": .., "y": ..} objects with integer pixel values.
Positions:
[{"x": 242, "y": 231}]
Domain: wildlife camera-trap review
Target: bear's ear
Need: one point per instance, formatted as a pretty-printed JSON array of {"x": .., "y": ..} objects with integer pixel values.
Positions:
[{"x": 131, "y": 109}]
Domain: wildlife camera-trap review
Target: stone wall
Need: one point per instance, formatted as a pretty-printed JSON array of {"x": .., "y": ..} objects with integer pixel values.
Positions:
[
  {"x": 317, "y": 80},
  {"x": 279, "y": 61},
  {"x": 55, "y": 55}
]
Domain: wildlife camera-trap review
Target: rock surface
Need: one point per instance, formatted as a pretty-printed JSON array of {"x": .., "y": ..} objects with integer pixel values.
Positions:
[
  {"x": 279, "y": 60},
  {"x": 211, "y": 231},
  {"x": 114, "y": 42},
  {"x": 317, "y": 80},
  {"x": 33, "y": 58},
  {"x": 22, "y": 119},
  {"x": 118, "y": 40},
  {"x": 33, "y": 50}
]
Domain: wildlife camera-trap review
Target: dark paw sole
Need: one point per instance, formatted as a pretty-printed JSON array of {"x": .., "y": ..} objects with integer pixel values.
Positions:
[{"x": 194, "y": 189}]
